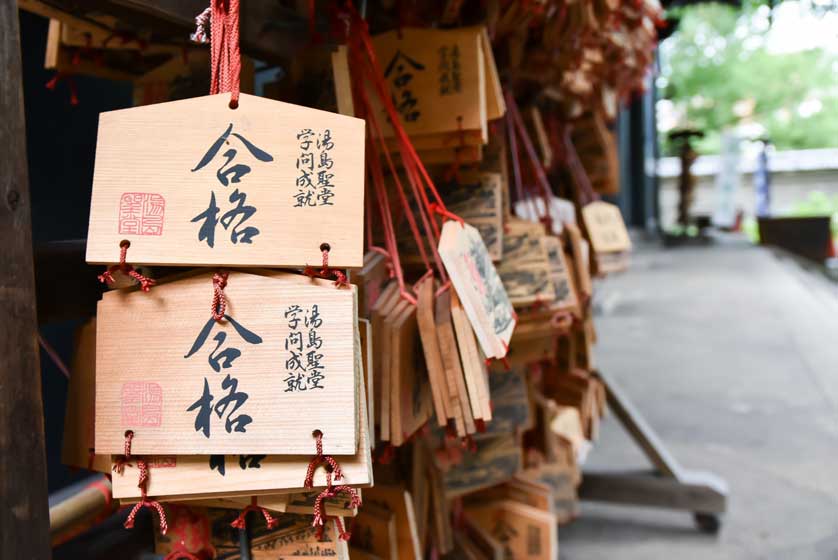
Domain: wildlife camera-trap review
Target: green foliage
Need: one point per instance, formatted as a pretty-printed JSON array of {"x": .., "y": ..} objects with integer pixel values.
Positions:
[{"x": 717, "y": 73}]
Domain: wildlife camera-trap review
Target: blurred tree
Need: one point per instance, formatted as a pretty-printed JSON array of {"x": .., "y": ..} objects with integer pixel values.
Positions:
[{"x": 716, "y": 72}]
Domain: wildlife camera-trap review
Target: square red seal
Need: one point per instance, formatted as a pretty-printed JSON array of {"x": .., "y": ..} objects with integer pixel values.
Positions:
[
  {"x": 162, "y": 462},
  {"x": 142, "y": 404},
  {"x": 141, "y": 213}
]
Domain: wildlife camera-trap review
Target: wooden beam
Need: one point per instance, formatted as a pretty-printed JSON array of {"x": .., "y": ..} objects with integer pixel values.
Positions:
[
  {"x": 693, "y": 491},
  {"x": 24, "y": 517},
  {"x": 639, "y": 430},
  {"x": 269, "y": 31}
]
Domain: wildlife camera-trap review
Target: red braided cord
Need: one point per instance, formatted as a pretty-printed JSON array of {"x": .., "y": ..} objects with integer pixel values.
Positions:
[
  {"x": 219, "y": 300},
  {"x": 120, "y": 462},
  {"x": 377, "y": 180},
  {"x": 359, "y": 36},
  {"x": 442, "y": 211},
  {"x": 330, "y": 491},
  {"x": 145, "y": 502},
  {"x": 241, "y": 521},
  {"x": 107, "y": 276},
  {"x": 535, "y": 162},
  {"x": 319, "y": 508},
  {"x": 409, "y": 166},
  {"x": 151, "y": 504},
  {"x": 376, "y": 133},
  {"x": 142, "y": 485},
  {"x": 577, "y": 170},
  {"x": 513, "y": 153},
  {"x": 226, "y": 57},
  {"x": 325, "y": 271},
  {"x": 319, "y": 459}
]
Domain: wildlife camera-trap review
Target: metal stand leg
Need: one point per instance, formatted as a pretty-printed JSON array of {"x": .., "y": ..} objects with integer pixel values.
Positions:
[{"x": 667, "y": 486}]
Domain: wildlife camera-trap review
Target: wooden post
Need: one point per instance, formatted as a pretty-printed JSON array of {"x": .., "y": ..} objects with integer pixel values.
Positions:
[{"x": 24, "y": 517}]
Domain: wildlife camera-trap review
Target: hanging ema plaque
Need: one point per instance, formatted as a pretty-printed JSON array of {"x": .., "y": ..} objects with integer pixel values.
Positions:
[
  {"x": 194, "y": 182},
  {"x": 279, "y": 365}
]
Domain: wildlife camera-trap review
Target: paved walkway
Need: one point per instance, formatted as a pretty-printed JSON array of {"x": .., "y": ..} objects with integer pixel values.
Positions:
[{"x": 731, "y": 353}]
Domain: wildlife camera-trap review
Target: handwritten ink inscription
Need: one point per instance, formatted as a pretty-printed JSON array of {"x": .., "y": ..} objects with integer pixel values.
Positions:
[
  {"x": 450, "y": 81},
  {"x": 304, "y": 363},
  {"x": 399, "y": 72},
  {"x": 238, "y": 212},
  {"x": 227, "y": 406},
  {"x": 315, "y": 185},
  {"x": 218, "y": 463},
  {"x": 141, "y": 213}
]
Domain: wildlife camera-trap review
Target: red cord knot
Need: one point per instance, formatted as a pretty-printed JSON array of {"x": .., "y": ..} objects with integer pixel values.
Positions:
[
  {"x": 219, "y": 300},
  {"x": 320, "y": 515},
  {"x": 107, "y": 277},
  {"x": 145, "y": 502},
  {"x": 332, "y": 466},
  {"x": 241, "y": 521},
  {"x": 202, "y": 27},
  {"x": 445, "y": 213},
  {"x": 121, "y": 462},
  {"x": 151, "y": 504},
  {"x": 325, "y": 271}
]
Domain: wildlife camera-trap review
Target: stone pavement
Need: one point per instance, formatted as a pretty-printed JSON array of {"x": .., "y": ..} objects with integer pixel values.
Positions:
[{"x": 731, "y": 353}]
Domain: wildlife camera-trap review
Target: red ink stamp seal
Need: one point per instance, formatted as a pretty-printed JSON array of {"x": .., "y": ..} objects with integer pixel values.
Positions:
[
  {"x": 142, "y": 404},
  {"x": 141, "y": 213},
  {"x": 162, "y": 462}
]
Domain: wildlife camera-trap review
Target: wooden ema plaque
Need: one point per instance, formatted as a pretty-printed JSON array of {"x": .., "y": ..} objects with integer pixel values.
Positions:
[
  {"x": 280, "y": 365},
  {"x": 561, "y": 275},
  {"x": 77, "y": 444},
  {"x": 437, "y": 79},
  {"x": 185, "y": 476},
  {"x": 194, "y": 182},
  {"x": 525, "y": 270},
  {"x": 477, "y": 199},
  {"x": 478, "y": 286},
  {"x": 524, "y": 531},
  {"x": 606, "y": 227}
]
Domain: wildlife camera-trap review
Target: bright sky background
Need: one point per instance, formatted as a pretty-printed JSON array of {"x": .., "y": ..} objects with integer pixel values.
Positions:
[{"x": 797, "y": 27}]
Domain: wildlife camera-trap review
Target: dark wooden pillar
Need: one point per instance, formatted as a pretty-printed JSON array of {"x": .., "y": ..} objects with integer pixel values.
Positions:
[{"x": 24, "y": 514}]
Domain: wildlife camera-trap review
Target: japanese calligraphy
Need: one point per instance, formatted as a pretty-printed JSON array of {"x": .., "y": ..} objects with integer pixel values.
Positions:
[
  {"x": 229, "y": 172},
  {"x": 449, "y": 70},
  {"x": 217, "y": 463},
  {"x": 399, "y": 73},
  {"x": 231, "y": 398},
  {"x": 314, "y": 165},
  {"x": 303, "y": 366}
]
